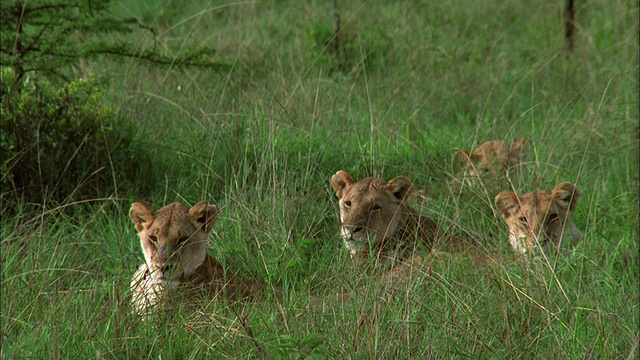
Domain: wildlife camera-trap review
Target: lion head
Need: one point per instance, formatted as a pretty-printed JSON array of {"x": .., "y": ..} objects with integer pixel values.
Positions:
[
  {"x": 173, "y": 239},
  {"x": 540, "y": 217},
  {"x": 370, "y": 209},
  {"x": 490, "y": 158}
]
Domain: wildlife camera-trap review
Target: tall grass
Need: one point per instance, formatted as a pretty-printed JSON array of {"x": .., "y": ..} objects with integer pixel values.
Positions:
[{"x": 262, "y": 140}]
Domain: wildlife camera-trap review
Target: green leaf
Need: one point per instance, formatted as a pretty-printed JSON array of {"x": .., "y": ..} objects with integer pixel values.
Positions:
[{"x": 313, "y": 340}]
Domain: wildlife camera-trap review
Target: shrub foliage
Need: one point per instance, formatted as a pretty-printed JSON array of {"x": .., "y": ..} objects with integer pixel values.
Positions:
[{"x": 63, "y": 143}]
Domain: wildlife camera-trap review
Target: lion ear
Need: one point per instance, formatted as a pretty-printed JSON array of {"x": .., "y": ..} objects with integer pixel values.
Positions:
[
  {"x": 507, "y": 203},
  {"x": 518, "y": 145},
  {"x": 204, "y": 215},
  {"x": 466, "y": 157},
  {"x": 462, "y": 156},
  {"x": 400, "y": 187},
  {"x": 141, "y": 214},
  {"x": 566, "y": 195},
  {"x": 340, "y": 181}
]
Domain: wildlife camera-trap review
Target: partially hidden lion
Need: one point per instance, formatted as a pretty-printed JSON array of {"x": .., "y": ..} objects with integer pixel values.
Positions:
[
  {"x": 490, "y": 158},
  {"x": 375, "y": 215},
  {"x": 540, "y": 219},
  {"x": 174, "y": 243}
]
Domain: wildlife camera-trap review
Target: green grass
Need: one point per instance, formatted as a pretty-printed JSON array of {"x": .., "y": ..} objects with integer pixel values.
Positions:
[{"x": 421, "y": 80}]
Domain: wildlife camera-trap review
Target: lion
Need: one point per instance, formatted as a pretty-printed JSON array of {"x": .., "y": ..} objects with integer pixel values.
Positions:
[
  {"x": 539, "y": 219},
  {"x": 174, "y": 243},
  {"x": 489, "y": 159},
  {"x": 374, "y": 215}
]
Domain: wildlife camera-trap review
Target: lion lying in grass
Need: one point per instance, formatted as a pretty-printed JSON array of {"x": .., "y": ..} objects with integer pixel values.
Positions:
[
  {"x": 491, "y": 159},
  {"x": 374, "y": 215},
  {"x": 174, "y": 243},
  {"x": 540, "y": 218}
]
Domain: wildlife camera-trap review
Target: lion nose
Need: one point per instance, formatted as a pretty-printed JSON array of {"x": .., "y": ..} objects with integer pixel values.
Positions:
[
  {"x": 166, "y": 267},
  {"x": 163, "y": 251}
]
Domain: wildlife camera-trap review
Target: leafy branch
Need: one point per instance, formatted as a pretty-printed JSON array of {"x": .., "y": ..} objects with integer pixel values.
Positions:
[{"x": 49, "y": 37}]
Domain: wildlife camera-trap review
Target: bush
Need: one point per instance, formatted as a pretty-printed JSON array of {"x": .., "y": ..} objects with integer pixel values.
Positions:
[{"x": 63, "y": 144}]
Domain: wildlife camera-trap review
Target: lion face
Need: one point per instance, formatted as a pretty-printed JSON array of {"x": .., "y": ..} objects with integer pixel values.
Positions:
[
  {"x": 370, "y": 209},
  {"x": 173, "y": 239},
  {"x": 490, "y": 158},
  {"x": 540, "y": 217}
]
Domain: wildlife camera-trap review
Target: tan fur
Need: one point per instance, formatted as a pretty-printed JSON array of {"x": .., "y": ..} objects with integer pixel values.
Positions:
[
  {"x": 540, "y": 218},
  {"x": 374, "y": 214},
  {"x": 490, "y": 158},
  {"x": 174, "y": 243}
]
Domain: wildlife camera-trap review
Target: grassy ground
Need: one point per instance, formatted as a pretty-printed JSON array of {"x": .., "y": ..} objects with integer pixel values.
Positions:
[{"x": 412, "y": 83}]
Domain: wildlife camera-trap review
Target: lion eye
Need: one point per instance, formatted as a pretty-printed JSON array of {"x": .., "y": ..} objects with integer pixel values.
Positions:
[
  {"x": 522, "y": 220},
  {"x": 181, "y": 241},
  {"x": 153, "y": 239},
  {"x": 376, "y": 207},
  {"x": 347, "y": 203}
]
